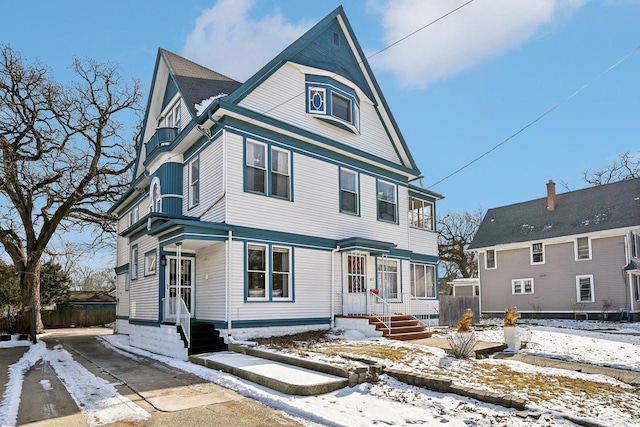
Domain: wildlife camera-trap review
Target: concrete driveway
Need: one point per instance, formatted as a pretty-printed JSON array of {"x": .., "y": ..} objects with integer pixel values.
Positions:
[{"x": 171, "y": 396}]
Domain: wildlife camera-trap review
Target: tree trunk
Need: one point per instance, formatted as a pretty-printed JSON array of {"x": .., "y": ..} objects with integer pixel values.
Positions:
[{"x": 30, "y": 287}]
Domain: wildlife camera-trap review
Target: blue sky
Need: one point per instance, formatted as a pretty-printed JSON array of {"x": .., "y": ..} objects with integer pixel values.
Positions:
[{"x": 456, "y": 88}]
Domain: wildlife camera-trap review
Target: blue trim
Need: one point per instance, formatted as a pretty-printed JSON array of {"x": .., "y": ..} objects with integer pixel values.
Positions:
[
  {"x": 137, "y": 263},
  {"x": 269, "y": 273},
  {"x": 144, "y": 322},
  {"x": 122, "y": 269},
  {"x": 330, "y": 87},
  {"x": 155, "y": 252},
  {"x": 397, "y": 207},
  {"x": 357, "y": 212},
  {"x": 238, "y": 324},
  {"x": 257, "y": 117},
  {"x": 269, "y": 146},
  {"x": 189, "y": 163}
]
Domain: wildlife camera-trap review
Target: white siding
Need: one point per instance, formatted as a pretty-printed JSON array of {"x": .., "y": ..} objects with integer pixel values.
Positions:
[
  {"x": 312, "y": 288},
  {"x": 315, "y": 210},
  {"x": 211, "y": 184},
  {"x": 122, "y": 251},
  {"x": 211, "y": 282},
  {"x": 144, "y": 290},
  {"x": 423, "y": 241},
  {"x": 122, "y": 296},
  {"x": 285, "y": 89}
]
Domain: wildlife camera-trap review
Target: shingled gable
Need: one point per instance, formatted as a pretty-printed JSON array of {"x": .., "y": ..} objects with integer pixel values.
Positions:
[
  {"x": 310, "y": 50},
  {"x": 604, "y": 207},
  {"x": 195, "y": 82}
]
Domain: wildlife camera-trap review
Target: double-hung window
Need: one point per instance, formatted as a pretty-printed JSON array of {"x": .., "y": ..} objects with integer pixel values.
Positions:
[
  {"x": 172, "y": 120},
  {"x": 635, "y": 245},
  {"x": 281, "y": 272},
  {"x": 584, "y": 288},
  {"x": 194, "y": 182},
  {"x": 150, "y": 263},
  {"x": 134, "y": 215},
  {"x": 522, "y": 286},
  {"x": 387, "y": 205},
  {"x": 134, "y": 262},
  {"x": 280, "y": 175},
  {"x": 490, "y": 259},
  {"x": 420, "y": 213},
  {"x": 271, "y": 177},
  {"x": 537, "y": 253},
  {"x": 388, "y": 282},
  {"x": 269, "y": 272},
  {"x": 635, "y": 282},
  {"x": 583, "y": 248},
  {"x": 423, "y": 281},
  {"x": 257, "y": 270},
  {"x": 348, "y": 191},
  {"x": 256, "y": 172}
]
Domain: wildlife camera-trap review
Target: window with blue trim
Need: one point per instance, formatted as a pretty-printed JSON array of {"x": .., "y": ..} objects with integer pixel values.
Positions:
[
  {"x": 269, "y": 272},
  {"x": 423, "y": 281},
  {"x": 194, "y": 182},
  {"x": 134, "y": 262},
  {"x": 334, "y": 102},
  {"x": 387, "y": 202},
  {"x": 349, "y": 199},
  {"x": 269, "y": 177},
  {"x": 388, "y": 278}
]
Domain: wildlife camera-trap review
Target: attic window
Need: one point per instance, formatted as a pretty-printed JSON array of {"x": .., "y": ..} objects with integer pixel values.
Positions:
[
  {"x": 336, "y": 39},
  {"x": 333, "y": 102}
]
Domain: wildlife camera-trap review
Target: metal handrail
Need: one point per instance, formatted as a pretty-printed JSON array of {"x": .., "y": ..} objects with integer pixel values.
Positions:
[
  {"x": 176, "y": 310},
  {"x": 380, "y": 309}
]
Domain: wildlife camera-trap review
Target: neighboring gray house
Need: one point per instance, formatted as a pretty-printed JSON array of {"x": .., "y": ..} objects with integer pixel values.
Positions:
[{"x": 571, "y": 255}]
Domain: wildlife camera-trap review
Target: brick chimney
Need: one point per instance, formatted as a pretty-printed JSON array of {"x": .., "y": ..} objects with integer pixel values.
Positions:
[{"x": 551, "y": 195}]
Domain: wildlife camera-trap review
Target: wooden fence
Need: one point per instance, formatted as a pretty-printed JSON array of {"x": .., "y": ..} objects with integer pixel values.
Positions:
[
  {"x": 452, "y": 307},
  {"x": 78, "y": 317}
]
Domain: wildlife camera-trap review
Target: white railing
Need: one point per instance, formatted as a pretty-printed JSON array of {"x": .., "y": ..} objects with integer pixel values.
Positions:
[
  {"x": 403, "y": 304},
  {"x": 380, "y": 309},
  {"x": 175, "y": 310}
]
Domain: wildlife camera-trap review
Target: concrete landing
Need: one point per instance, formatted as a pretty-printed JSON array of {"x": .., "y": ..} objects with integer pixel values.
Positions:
[
  {"x": 481, "y": 348},
  {"x": 279, "y": 376}
]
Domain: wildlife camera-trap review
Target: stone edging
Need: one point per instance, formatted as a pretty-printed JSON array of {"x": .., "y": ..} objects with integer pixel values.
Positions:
[{"x": 447, "y": 386}]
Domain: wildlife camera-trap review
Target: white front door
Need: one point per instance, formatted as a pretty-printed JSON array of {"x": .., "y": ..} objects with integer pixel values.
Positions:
[
  {"x": 185, "y": 285},
  {"x": 354, "y": 295}
]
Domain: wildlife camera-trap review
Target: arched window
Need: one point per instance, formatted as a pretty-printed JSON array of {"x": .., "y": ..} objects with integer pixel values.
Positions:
[{"x": 156, "y": 197}]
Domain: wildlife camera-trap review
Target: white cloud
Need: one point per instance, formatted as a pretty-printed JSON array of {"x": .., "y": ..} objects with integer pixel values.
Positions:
[
  {"x": 227, "y": 40},
  {"x": 462, "y": 40}
]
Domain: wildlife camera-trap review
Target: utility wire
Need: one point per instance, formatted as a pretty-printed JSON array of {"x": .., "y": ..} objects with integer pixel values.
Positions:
[
  {"x": 540, "y": 117},
  {"x": 374, "y": 54}
]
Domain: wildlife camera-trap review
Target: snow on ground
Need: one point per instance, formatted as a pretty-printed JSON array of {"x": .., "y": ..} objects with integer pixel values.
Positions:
[
  {"x": 554, "y": 394},
  {"x": 98, "y": 400}
]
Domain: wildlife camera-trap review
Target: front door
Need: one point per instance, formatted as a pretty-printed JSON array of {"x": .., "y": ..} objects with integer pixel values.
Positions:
[
  {"x": 354, "y": 295},
  {"x": 186, "y": 283}
]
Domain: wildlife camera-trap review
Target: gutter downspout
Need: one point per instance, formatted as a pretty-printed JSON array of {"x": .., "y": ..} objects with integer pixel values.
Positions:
[
  {"x": 627, "y": 260},
  {"x": 228, "y": 279},
  {"x": 333, "y": 286}
]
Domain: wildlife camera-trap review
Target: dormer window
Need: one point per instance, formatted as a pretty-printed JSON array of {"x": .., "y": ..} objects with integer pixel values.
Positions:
[
  {"x": 333, "y": 102},
  {"x": 171, "y": 115}
]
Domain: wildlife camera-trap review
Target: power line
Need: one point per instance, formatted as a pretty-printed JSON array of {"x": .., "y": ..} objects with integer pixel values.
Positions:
[
  {"x": 374, "y": 54},
  {"x": 540, "y": 117}
]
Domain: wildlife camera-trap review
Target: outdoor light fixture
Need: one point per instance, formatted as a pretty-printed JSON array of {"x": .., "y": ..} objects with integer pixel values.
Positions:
[{"x": 163, "y": 260}]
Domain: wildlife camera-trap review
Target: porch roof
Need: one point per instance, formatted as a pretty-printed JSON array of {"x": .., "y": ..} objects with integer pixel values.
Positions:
[
  {"x": 368, "y": 245},
  {"x": 634, "y": 265}
]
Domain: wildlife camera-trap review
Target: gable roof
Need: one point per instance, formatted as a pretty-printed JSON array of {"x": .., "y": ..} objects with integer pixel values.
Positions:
[
  {"x": 310, "y": 50},
  {"x": 604, "y": 207},
  {"x": 195, "y": 82}
]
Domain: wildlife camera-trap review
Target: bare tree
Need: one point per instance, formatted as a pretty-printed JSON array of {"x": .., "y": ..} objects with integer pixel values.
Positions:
[
  {"x": 456, "y": 231},
  {"x": 64, "y": 159},
  {"x": 626, "y": 166},
  {"x": 90, "y": 279}
]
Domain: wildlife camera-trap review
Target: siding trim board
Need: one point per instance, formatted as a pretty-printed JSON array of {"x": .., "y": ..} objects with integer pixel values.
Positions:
[{"x": 256, "y": 118}]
